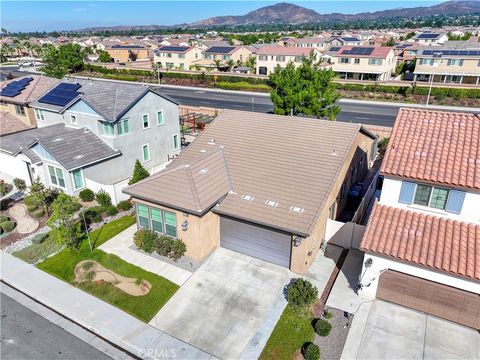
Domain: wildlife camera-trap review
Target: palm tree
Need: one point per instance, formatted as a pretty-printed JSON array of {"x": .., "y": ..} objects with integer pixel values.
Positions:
[
  {"x": 230, "y": 64},
  {"x": 217, "y": 63}
]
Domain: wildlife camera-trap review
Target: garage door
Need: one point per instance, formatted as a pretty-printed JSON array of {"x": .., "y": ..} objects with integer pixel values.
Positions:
[
  {"x": 255, "y": 241},
  {"x": 440, "y": 300}
]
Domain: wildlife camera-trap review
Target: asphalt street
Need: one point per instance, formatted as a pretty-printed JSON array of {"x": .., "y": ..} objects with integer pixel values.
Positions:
[
  {"x": 351, "y": 111},
  {"x": 27, "y": 335}
]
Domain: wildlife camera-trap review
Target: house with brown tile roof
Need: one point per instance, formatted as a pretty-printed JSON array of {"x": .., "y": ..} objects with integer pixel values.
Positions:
[
  {"x": 269, "y": 57},
  {"x": 422, "y": 241},
  {"x": 260, "y": 184},
  {"x": 18, "y": 103}
]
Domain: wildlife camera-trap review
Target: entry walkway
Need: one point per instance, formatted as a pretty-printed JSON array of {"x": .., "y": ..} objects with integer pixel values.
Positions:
[
  {"x": 104, "y": 319},
  {"x": 120, "y": 245}
]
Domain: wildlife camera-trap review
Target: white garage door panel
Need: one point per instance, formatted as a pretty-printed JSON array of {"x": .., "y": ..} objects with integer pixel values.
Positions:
[{"x": 255, "y": 241}]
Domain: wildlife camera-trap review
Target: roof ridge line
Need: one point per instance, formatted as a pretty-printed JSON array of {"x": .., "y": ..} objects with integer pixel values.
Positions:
[{"x": 196, "y": 198}]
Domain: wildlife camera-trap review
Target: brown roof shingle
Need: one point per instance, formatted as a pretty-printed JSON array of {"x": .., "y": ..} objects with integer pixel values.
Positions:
[
  {"x": 10, "y": 124},
  {"x": 435, "y": 146},
  {"x": 288, "y": 160},
  {"x": 431, "y": 241}
]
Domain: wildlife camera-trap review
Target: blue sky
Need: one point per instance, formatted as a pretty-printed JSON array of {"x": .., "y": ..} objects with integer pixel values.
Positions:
[{"x": 68, "y": 15}]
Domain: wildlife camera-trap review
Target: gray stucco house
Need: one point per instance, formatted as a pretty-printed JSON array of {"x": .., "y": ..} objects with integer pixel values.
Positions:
[{"x": 90, "y": 132}]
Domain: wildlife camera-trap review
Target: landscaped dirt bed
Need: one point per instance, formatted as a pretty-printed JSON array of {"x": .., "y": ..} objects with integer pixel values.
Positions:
[
  {"x": 89, "y": 270},
  {"x": 331, "y": 346}
]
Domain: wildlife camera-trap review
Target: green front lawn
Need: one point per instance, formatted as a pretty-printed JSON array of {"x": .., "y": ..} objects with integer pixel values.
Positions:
[
  {"x": 37, "y": 252},
  {"x": 144, "y": 307},
  {"x": 294, "y": 328}
]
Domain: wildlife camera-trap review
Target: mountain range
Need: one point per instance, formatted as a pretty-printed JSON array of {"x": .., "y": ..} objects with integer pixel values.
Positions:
[{"x": 286, "y": 13}]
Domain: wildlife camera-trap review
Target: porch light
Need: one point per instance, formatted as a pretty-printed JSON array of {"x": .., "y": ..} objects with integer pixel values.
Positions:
[
  {"x": 297, "y": 240},
  {"x": 368, "y": 263},
  {"x": 185, "y": 225}
]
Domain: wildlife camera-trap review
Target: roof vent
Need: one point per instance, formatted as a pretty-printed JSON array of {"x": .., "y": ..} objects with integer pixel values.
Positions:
[
  {"x": 203, "y": 171},
  {"x": 203, "y": 151},
  {"x": 271, "y": 203},
  {"x": 77, "y": 157},
  {"x": 57, "y": 139},
  {"x": 296, "y": 209},
  {"x": 211, "y": 142},
  {"x": 248, "y": 197},
  {"x": 334, "y": 153}
]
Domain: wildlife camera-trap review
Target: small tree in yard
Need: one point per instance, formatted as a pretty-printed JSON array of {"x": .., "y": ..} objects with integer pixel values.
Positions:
[
  {"x": 62, "y": 218},
  {"x": 139, "y": 173},
  {"x": 302, "y": 293},
  {"x": 307, "y": 89},
  {"x": 41, "y": 194}
]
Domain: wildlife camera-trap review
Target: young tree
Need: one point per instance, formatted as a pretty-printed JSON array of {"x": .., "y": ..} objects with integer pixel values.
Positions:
[
  {"x": 104, "y": 56},
  {"x": 62, "y": 218},
  {"x": 59, "y": 61},
  {"x": 40, "y": 193},
  {"x": 139, "y": 173},
  {"x": 307, "y": 89},
  {"x": 52, "y": 66}
]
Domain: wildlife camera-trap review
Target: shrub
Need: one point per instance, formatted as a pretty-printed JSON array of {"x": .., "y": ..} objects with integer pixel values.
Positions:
[
  {"x": 19, "y": 184},
  {"x": 39, "y": 238},
  {"x": 302, "y": 293},
  {"x": 31, "y": 208},
  {"x": 38, "y": 213},
  {"x": 322, "y": 327},
  {"x": 177, "y": 250},
  {"x": 4, "y": 218},
  {"x": 145, "y": 239},
  {"x": 3, "y": 188},
  {"x": 124, "y": 205},
  {"x": 93, "y": 215},
  {"x": 169, "y": 247},
  {"x": 7, "y": 226},
  {"x": 312, "y": 352},
  {"x": 86, "y": 195},
  {"x": 87, "y": 265},
  {"x": 103, "y": 198},
  {"x": 111, "y": 210},
  {"x": 327, "y": 314},
  {"x": 30, "y": 200}
]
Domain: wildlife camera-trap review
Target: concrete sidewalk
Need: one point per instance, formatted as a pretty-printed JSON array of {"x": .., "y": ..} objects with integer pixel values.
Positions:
[
  {"x": 120, "y": 245},
  {"x": 86, "y": 310}
]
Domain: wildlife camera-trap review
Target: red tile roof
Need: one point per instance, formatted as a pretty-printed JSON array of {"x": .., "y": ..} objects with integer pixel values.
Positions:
[
  {"x": 435, "y": 146},
  {"x": 434, "y": 242},
  {"x": 284, "y": 50}
]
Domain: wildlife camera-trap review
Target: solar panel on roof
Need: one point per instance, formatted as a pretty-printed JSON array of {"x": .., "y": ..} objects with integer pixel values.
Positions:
[
  {"x": 9, "y": 92},
  {"x": 335, "y": 48},
  {"x": 61, "y": 95},
  {"x": 173, "y": 48},
  {"x": 220, "y": 49},
  {"x": 428, "y": 36},
  {"x": 15, "y": 88}
]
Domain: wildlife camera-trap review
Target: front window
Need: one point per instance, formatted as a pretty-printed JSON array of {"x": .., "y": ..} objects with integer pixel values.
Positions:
[
  {"x": 56, "y": 176},
  {"x": 77, "y": 176},
  {"x": 158, "y": 220},
  {"x": 160, "y": 119},
  {"x": 375, "y": 61},
  {"x": 122, "y": 127},
  {"x": 146, "y": 153},
  {"x": 357, "y": 61},
  {"x": 430, "y": 196},
  {"x": 176, "y": 144},
  {"x": 280, "y": 58},
  {"x": 107, "y": 129},
  {"x": 344, "y": 60},
  {"x": 19, "y": 109},
  {"x": 39, "y": 115},
  {"x": 181, "y": 56},
  {"x": 170, "y": 224},
  {"x": 143, "y": 218},
  {"x": 145, "y": 121}
]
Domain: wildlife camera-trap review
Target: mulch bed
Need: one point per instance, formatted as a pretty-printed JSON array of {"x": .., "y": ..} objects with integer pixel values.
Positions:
[{"x": 331, "y": 346}]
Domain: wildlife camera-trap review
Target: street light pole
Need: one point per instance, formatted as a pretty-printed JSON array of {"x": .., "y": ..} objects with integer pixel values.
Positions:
[{"x": 429, "y": 90}]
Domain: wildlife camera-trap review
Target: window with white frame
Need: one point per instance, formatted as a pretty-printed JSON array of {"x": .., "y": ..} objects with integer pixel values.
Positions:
[
  {"x": 78, "y": 181},
  {"x": 375, "y": 61},
  {"x": 181, "y": 56},
  {"x": 158, "y": 220},
  {"x": 107, "y": 129},
  {"x": 176, "y": 143},
  {"x": 160, "y": 118},
  {"x": 19, "y": 109},
  {"x": 146, "y": 152},
  {"x": 344, "y": 61},
  {"x": 56, "y": 176},
  {"x": 146, "y": 121},
  {"x": 431, "y": 196},
  {"x": 357, "y": 61},
  {"x": 122, "y": 127},
  {"x": 73, "y": 119},
  {"x": 39, "y": 115}
]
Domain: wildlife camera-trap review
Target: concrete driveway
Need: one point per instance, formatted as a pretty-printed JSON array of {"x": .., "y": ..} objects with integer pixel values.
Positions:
[
  {"x": 228, "y": 307},
  {"x": 382, "y": 330}
]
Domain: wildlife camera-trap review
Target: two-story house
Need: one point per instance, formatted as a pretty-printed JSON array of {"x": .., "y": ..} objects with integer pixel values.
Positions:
[
  {"x": 362, "y": 63},
  {"x": 422, "y": 239},
  {"x": 90, "y": 133},
  {"x": 177, "y": 57},
  {"x": 449, "y": 65},
  {"x": 223, "y": 55},
  {"x": 430, "y": 38},
  {"x": 269, "y": 57},
  {"x": 16, "y": 96},
  {"x": 127, "y": 53}
]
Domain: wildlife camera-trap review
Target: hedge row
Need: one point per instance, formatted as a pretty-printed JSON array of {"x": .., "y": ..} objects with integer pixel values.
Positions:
[{"x": 243, "y": 85}]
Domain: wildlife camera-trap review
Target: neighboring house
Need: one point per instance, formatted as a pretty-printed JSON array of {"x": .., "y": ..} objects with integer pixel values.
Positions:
[
  {"x": 260, "y": 184},
  {"x": 317, "y": 42},
  {"x": 127, "y": 53},
  {"x": 423, "y": 238},
  {"x": 430, "y": 38},
  {"x": 362, "y": 63},
  {"x": 446, "y": 65},
  {"x": 177, "y": 57},
  {"x": 406, "y": 52},
  {"x": 133, "y": 121},
  {"x": 269, "y": 57},
  {"x": 226, "y": 53},
  {"x": 17, "y": 94},
  {"x": 343, "y": 41},
  {"x": 9, "y": 123}
]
